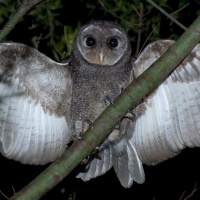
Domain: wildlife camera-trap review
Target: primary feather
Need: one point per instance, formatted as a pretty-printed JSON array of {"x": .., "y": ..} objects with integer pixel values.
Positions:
[{"x": 171, "y": 119}]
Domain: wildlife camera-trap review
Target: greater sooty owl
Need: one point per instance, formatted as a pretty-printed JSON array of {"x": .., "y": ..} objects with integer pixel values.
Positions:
[{"x": 44, "y": 104}]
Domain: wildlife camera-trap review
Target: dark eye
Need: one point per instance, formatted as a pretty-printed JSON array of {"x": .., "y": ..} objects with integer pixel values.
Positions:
[
  {"x": 90, "y": 41},
  {"x": 113, "y": 42}
]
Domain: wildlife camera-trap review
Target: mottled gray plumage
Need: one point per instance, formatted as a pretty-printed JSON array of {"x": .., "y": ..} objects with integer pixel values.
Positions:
[
  {"x": 93, "y": 82},
  {"x": 44, "y": 104}
]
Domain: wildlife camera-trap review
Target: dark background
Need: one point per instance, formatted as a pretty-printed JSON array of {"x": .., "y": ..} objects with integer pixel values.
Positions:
[
  {"x": 45, "y": 28},
  {"x": 167, "y": 180}
]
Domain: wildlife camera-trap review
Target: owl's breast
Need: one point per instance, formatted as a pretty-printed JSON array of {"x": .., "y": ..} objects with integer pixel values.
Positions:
[{"x": 89, "y": 94}]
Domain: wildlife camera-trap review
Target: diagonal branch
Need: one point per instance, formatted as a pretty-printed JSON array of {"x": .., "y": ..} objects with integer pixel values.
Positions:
[
  {"x": 106, "y": 122},
  {"x": 23, "y": 9}
]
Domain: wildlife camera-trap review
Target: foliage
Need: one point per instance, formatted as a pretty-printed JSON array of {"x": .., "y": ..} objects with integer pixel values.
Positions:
[{"x": 7, "y": 7}]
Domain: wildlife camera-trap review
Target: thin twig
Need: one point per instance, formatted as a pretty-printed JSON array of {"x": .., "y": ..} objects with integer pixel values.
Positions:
[
  {"x": 180, "y": 9},
  {"x": 135, "y": 10},
  {"x": 127, "y": 22},
  {"x": 182, "y": 195},
  {"x": 147, "y": 39},
  {"x": 166, "y": 14},
  {"x": 140, "y": 27},
  {"x": 137, "y": 54},
  {"x": 191, "y": 194},
  {"x": 23, "y": 9},
  {"x": 3, "y": 194},
  {"x": 13, "y": 190}
]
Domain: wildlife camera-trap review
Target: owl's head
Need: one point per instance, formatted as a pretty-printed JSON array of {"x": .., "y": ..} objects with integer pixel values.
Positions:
[{"x": 102, "y": 43}]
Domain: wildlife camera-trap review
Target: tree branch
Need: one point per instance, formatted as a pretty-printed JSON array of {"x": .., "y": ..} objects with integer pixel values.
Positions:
[
  {"x": 106, "y": 122},
  {"x": 191, "y": 194},
  {"x": 15, "y": 18},
  {"x": 166, "y": 14}
]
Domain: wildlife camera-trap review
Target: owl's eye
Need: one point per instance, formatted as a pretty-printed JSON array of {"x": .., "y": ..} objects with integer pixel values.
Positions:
[
  {"x": 113, "y": 42},
  {"x": 90, "y": 41}
]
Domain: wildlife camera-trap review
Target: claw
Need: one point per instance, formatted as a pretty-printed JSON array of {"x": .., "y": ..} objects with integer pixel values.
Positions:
[
  {"x": 117, "y": 126},
  {"x": 86, "y": 162},
  {"x": 110, "y": 101},
  {"x": 77, "y": 137},
  {"x": 131, "y": 115},
  {"x": 90, "y": 123},
  {"x": 96, "y": 153},
  {"x": 3, "y": 74}
]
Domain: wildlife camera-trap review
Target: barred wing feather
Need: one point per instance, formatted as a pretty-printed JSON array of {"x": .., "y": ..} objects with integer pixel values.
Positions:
[
  {"x": 171, "y": 119},
  {"x": 35, "y": 97}
]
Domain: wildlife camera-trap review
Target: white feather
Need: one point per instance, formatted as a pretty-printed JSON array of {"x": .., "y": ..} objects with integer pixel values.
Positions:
[
  {"x": 98, "y": 166},
  {"x": 134, "y": 165},
  {"x": 171, "y": 120},
  {"x": 28, "y": 134}
]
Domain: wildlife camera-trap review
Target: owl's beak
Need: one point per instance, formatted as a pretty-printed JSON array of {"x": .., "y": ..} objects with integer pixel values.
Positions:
[{"x": 101, "y": 57}]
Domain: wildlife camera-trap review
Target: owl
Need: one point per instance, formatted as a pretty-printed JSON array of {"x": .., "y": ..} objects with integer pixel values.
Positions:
[{"x": 44, "y": 104}]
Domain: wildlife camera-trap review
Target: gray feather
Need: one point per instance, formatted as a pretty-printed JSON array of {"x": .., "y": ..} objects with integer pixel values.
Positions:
[{"x": 33, "y": 105}]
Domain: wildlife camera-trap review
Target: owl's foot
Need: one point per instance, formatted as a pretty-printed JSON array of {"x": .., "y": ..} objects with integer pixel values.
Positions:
[
  {"x": 131, "y": 115},
  {"x": 77, "y": 137},
  {"x": 86, "y": 125},
  {"x": 89, "y": 158},
  {"x": 107, "y": 98},
  {"x": 89, "y": 123},
  {"x": 117, "y": 126},
  {"x": 95, "y": 153}
]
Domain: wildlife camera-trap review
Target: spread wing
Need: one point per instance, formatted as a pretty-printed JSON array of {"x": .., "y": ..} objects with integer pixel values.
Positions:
[
  {"x": 35, "y": 98},
  {"x": 170, "y": 120}
]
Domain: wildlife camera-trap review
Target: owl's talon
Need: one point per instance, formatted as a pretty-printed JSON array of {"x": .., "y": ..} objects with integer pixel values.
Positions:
[
  {"x": 110, "y": 101},
  {"x": 89, "y": 158},
  {"x": 95, "y": 153},
  {"x": 131, "y": 115},
  {"x": 117, "y": 126},
  {"x": 79, "y": 138},
  {"x": 85, "y": 161},
  {"x": 90, "y": 123}
]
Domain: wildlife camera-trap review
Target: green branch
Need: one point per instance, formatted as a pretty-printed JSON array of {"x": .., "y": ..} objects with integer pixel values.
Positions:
[
  {"x": 15, "y": 18},
  {"x": 106, "y": 122}
]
